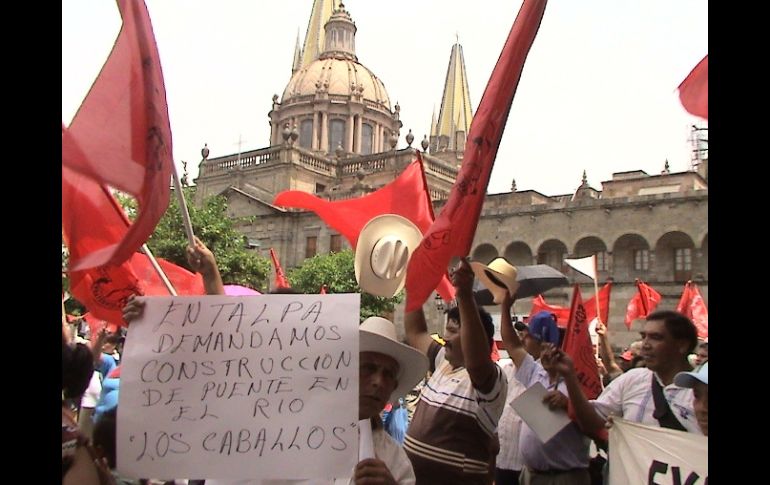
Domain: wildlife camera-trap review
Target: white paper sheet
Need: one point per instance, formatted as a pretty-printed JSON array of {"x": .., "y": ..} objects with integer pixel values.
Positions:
[{"x": 543, "y": 421}]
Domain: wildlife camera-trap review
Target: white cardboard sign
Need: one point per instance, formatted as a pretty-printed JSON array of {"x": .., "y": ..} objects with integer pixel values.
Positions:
[{"x": 241, "y": 387}]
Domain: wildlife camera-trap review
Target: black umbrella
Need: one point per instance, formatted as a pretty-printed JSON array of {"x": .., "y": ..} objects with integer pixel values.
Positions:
[{"x": 533, "y": 280}]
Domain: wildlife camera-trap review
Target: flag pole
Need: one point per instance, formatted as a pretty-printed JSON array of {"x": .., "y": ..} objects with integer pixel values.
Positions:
[
  {"x": 158, "y": 270},
  {"x": 183, "y": 208}
]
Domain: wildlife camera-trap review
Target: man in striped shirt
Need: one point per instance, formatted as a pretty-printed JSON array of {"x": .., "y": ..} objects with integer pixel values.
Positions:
[{"x": 451, "y": 436}]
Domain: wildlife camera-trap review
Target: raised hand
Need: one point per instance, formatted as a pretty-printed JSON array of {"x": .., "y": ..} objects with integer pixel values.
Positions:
[
  {"x": 373, "y": 471},
  {"x": 555, "y": 400},
  {"x": 133, "y": 310}
]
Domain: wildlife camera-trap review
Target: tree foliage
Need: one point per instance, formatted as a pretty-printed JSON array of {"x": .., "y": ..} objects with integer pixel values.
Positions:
[
  {"x": 217, "y": 230},
  {"x": 335, "y": 270}
]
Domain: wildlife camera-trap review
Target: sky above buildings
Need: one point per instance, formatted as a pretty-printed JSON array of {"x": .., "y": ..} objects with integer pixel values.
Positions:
[{"x": 598, "y": 91}]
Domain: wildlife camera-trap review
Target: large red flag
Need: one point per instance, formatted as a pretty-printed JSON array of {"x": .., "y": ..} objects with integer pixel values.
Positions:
[
  {"x": 452, "y": 232},
  {"x": 692, "y": 305},
  {"x": 121, "y": 134},
  {"x": 642, "y": 304},
  {"x": 280, "y": 277},
  {"x": 91, "y": 220},
  {"x": 577, "y": 344},
  {"x": 562, "y": 313},
  {"x": 406, "y": 196},
  {"x": 694, "y": 90}
]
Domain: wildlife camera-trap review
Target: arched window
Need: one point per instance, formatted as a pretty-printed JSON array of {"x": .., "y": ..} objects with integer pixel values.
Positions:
[
  {"x": 336, "y": 134},
  {"x": 306, "y": 134},
  {"x": 367, "y": 137}
]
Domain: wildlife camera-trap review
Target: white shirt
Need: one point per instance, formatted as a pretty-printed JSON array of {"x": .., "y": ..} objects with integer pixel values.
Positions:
[
  {"x": 385, "y": 449},
  {"x": 509, "y": 427},
  {"x": 94, "y": 390},
  {"x": 630, "y": 397}
]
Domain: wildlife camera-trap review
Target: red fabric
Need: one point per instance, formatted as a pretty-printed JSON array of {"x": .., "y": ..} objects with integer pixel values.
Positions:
[
  {"x": 121, "y": 134},
  {"x": 601, "y": 434},
  {"x": 91, "y": 220},
  {"x": 495, "y": 355},
  {"x": 406, "y": 196},
  {"x": 577, "y": 344},
  {"x": 562, "y": 313},
  {"x": 452, "y": 232},
  {"x": 323, "y": 290},
  {"x": 280, "y": 278},
  {"x": 642, "y": 304},
  {"x": 114, "y": 373},
  {"x": 694, "y": 90},
  {"x": 692, "y": 305},
  {"x": 95, "y": 325}
]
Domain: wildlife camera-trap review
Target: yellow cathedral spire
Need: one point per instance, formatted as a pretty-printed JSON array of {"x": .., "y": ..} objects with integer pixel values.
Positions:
[
  {"x": 315, "y": 37},
  {"x": 455, "y": 114}
]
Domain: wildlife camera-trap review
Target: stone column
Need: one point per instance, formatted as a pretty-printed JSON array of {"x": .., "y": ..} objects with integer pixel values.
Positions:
[
  {"x": 324, "y": 132},
  {"x": 349, "y": 134},
  {"x": 315, "y": 130},
  {"x": 359, "y": 134}
]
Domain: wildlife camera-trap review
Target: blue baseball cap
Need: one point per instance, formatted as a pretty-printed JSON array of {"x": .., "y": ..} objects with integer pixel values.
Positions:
[
  {"x": 542, "y": 327},
  {"x": 689, "y": 379}
]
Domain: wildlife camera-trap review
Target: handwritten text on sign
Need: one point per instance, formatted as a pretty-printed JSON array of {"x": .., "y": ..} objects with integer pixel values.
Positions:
[{"x": 241, "y": 387}]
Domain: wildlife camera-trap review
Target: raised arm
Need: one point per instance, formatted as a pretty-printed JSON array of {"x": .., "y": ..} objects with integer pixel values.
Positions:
[
  {"x": 202, "y": 260},
  {"x": 511, "y": 340},
  {"x": 587, "y": 417},
  {"x": 417, "y": 331},
  {"x": 605, "y": 351},
  {"x": 473, "y": 337}
]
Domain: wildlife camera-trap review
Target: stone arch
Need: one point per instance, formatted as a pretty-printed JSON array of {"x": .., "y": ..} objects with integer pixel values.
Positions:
[
  {"x": 675, "y": 257},
  {"x": 586, "y": 247},
  {"x": 552, "y": 252},
  {"x": 631, "y": 258},
  {"x": 484, "y": 253},
  {"x": 518, "y": 253}
]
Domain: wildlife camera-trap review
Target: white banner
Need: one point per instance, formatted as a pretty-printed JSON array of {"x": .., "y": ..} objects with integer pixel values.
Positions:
[
  {"x": 653, "y": 455},
  {"x": 241, "y": 387}
]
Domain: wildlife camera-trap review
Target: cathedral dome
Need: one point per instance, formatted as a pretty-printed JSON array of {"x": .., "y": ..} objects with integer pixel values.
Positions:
[{"x": 338, "y": 77}]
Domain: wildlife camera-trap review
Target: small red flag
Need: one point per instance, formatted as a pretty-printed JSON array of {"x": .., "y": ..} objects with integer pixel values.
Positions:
[
  {"x": 121, "y": 135},
  {"x": 577, "y": 344},
  {"x": 280, "y": 278},
  {"x": 691, "y": 304},
  {"x": 562, "y": 313},
  {"x": 323, "y": 290},
  {"x": 451, "y": 234},
  {"x": 642, "y": 304},
  {"x": 406, "y": 196},
  {"x": 694, "y": 90}
]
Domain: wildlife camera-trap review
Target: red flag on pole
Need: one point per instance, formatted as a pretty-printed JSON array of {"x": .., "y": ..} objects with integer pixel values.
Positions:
[
  {"x": 577, "y": 344},
  {"x": 642, "y": 304},
  {"x": 691, "y": 304},
  {"x": 694, "y": 90},
  {"x": 280, "y": 277},
  {"x": 562, "y": 313},
  {"x": 406, "y": 196},
  {"x": 121, "y": 134},
  {"x": 452, "y": 232}
]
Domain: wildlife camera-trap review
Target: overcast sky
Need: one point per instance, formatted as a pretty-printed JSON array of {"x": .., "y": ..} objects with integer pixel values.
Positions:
[{"x": 598, "y": 91}]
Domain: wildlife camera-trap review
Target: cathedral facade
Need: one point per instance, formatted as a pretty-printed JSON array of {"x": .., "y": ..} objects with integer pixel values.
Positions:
[{"x": 334, "y": 134}]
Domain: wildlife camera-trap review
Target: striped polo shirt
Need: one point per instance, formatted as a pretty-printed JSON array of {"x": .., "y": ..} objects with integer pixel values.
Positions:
[{"x": 450, "y": 437}]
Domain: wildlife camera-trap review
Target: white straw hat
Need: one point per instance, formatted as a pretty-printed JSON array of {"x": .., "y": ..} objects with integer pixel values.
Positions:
[
  {"x": 377, "y": 334},
  {"x": 384, "y": 247},
  {"x": 498, "y": 277}
]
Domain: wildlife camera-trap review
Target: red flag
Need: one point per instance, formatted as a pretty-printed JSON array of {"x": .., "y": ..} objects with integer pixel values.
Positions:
[
  {"x": 692, "y": 305},
  {"x": 562, "y": 313},
  {"x": 642, "y": 304},
  {"x": 406, "y": 196},
  {"x": 280, "y": 278},
  {"x": 91, "y": 220},
  {"x": 323, "y": 290},
  {"x": 694, "y": 90},
  {"x": 577, "y": 344},
  {"x": 121, "y": 134},
  {"x": 452, "y": 232}
]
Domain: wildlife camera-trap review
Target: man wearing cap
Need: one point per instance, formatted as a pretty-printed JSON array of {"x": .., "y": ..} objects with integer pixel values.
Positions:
[
  {"x": 646, "y": 395},
  {"x": 564, "y": 458},
  {"x": 450, "y": 439},
  {"x": 698, "y": 381}
]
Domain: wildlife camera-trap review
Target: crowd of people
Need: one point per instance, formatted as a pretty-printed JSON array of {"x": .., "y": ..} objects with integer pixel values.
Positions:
[{"x": 459, "y": 426}]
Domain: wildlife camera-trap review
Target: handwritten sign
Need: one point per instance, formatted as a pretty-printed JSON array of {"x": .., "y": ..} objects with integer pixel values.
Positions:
[{"x": 241, "y": 387}]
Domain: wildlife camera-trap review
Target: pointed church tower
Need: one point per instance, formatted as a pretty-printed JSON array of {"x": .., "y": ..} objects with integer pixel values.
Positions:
[
  {"x": 455, "y": 116},
  {"x": 296, "y": 63},
  {"x": 315, "y": 37}
]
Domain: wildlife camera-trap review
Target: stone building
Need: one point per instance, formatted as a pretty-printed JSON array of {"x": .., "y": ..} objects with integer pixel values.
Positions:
[{"x": 334, "y": 133}]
